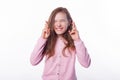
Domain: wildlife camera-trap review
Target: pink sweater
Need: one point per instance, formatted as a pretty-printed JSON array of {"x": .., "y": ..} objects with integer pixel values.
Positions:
[{"x": 59, "y": 67}]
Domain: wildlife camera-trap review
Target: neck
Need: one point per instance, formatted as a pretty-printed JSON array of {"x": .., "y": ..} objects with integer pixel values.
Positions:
[{"x": 60, "y": 36}]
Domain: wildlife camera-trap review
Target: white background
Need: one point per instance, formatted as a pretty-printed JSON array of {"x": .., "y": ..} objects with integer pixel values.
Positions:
[{"x": 21, "y": 22}]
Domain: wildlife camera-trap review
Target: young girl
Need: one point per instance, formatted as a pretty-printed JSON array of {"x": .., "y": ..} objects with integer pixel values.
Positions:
[{"x": 60, "y": 43}]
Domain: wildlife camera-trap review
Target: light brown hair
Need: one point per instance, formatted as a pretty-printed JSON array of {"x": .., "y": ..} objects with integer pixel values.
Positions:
[{"x": 49, "y": 47}]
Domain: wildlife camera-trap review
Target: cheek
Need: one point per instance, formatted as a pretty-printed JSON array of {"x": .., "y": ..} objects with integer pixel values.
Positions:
[{"x": 65, "y": 26}]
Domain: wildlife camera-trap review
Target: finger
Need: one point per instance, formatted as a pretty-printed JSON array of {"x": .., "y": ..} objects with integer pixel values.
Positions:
[
  {"x": 48, "y": 30},
  {"x": 44, "y": 30},
  {"x": 71, "y": 32},
  {"x": 73, "y": 25},
  {"x": 46, "y": 24}
]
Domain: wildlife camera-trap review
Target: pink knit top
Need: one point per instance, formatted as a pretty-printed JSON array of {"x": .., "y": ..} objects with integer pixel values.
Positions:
[{"x": 59, "y": 67}]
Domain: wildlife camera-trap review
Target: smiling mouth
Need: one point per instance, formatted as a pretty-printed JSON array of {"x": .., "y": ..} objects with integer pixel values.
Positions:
[{"x": 59, "y": 29}]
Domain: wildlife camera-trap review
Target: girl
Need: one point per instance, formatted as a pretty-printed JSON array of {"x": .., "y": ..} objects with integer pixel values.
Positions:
[{"x": 60, "y": 43}]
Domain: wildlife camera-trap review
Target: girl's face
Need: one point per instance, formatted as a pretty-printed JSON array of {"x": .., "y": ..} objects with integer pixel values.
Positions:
[{"x": 61, "y": 23}]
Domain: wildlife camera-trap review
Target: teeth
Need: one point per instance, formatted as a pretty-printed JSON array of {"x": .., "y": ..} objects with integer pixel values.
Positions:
[{"x": 59, "y": 29}]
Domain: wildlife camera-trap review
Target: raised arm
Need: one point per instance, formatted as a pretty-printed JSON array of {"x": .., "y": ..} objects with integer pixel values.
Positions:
[
  {"x": 81, "y": 51},
  {"x": 82, "y": 54},
  {"x": 36, "y": 55}
]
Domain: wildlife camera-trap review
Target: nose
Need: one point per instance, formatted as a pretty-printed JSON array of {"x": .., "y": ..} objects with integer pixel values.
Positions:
[{"x": 58, "y": 24}]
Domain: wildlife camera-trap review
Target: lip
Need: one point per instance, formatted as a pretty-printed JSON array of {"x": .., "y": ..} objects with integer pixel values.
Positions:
[{"x": 59, "y": 29}]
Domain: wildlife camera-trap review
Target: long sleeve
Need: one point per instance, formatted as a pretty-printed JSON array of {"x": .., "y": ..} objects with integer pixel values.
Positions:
[
  {"x": 36, "y": 55},
  {"x": 82, "y": 54}
]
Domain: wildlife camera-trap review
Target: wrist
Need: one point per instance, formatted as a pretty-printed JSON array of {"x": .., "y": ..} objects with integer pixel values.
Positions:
[{"x": 77, "y": 38}]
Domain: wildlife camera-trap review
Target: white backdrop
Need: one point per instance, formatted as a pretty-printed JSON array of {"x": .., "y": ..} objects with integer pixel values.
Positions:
[{"x": 21, "y": 22}]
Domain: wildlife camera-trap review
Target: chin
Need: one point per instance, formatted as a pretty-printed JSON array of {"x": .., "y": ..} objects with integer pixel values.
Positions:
[{"x": 59, "y": 33}]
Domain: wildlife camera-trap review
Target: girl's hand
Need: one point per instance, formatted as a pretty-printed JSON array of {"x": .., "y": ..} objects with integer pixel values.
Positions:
[
  {"x": 74, "y": 32},
  {"x": 46, "y": 31}
]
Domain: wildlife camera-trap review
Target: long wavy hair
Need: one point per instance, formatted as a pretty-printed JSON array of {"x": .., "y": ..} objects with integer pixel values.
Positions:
[{"x": 49, "y": 46}]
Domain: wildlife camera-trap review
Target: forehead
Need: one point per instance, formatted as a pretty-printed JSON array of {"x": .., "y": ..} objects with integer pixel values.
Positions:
[{"x": 60, "y": 15}]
